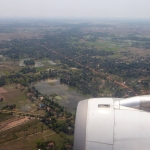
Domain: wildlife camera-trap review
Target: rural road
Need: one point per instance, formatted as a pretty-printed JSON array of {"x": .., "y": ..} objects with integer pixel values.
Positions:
[{"x": 94, "y": 71}]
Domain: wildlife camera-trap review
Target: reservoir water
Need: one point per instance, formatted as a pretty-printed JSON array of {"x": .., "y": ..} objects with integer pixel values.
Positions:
[{"x": 70, "y": 95}]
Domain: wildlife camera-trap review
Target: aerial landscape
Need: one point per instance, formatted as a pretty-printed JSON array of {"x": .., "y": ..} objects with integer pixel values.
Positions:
[
  {"x": 49, "y": 64},
  {"x": 44, "y": 75}
]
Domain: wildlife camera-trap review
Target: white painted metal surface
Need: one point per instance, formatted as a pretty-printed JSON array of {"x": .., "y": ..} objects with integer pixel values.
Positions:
[
  {"x": 98, "y": 146},
  {"x": 80, "y": 130},
  {"x": 132, "y": 130},
  {"x": 100, "y": 121}
]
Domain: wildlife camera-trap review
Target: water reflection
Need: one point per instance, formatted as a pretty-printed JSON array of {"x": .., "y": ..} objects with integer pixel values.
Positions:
[{"x": 53, "y": 86}]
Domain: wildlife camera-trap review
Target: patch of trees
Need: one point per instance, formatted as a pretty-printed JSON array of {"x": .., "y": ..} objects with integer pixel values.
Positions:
[
  {"x": 131, "y": 70},
  {"x": 9, "y": 107},
  {"x": 28, "y": 70},
  {"x": 29, "y": 62},
  {"x": 144, "y": 45},
  {"x": 2, "y": 81},
  {"x": 48, "y": 145},
  {"x": 51, "y": 145}
]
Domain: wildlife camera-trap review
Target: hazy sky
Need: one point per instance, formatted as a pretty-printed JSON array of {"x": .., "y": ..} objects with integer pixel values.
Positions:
[{"x": 75, "y": 8}]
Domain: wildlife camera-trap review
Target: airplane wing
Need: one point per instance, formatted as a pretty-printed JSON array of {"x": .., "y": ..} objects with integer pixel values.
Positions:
[{"x": 113, "y": 124}]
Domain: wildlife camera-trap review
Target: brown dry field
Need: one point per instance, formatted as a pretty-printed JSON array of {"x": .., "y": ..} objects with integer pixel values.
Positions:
[
  {"x": 9, "y": 87},
  {"x": 30, "y": 142},
  {"x": 139, "y": 51},
  {"x": 18, "y": 97},
  {"x": 6, "y": 66},
  {"x": 14, "y": 123},
  {"x": 120, "y": 29},
  {"x": 2, "y": 91},
  {"x": 15, "y": 138},
  {"x": 1, "y": 96},
  {"x": 17, "y": 35},
  {"x": 9, "y": 66},
  {"x": 14, "y": 96},
  {"x": 28, "y": 32}
]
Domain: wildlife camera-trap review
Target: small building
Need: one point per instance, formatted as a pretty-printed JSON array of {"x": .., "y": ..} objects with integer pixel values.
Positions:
[
  {"x": 69, "y": 128},
  {"x": 41, "y": 98},
  {"x": 33, "y": 98},
  {"x": 41, "y": 106},
  {"x": 50, "y": 144},
  {"x": 48, "y": 109},
  {"x": 1, "y": 99}
]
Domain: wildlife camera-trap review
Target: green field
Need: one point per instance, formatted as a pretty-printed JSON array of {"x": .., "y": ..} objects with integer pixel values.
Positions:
[
  {"x": 52, "y": 84},
  {"x": 8, "y": 66},
  {"x": 18, "y": 97},
  {"x": 27, "y": 135},
  {"x": 99, "y": 44},
  {"x": 4, "y": 116},
  {"x": 59, "y": 98},
  {"x": 30, "y": 142}
]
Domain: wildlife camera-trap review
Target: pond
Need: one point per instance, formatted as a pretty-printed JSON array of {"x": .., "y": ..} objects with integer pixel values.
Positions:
[{"x": 71, "y": 96}]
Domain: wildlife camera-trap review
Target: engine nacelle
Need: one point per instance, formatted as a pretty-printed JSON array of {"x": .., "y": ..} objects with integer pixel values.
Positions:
[{"x": 113, "y": 123}]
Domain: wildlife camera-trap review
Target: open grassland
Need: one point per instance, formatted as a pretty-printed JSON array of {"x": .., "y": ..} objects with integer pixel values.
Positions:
[
  {"x": 23, "y": 130},
  {"x": 17, "y": 97},
  {"x": 139, "y": 51},
  {"x": 8, "y": 67},
  {"x": 39, "y": 112},
  {"x": 5, "y": 116},
  {"x": 10, "y": 87},
  {"x": 30, "y": 142},
  {"x": 98, "y": 44},
  {"x": 27, "y": 135},
  {"x": 12, "y": 122},
  {"x": 17, "y": 33}
]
